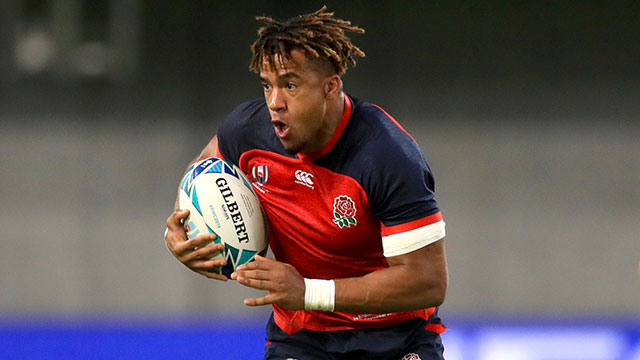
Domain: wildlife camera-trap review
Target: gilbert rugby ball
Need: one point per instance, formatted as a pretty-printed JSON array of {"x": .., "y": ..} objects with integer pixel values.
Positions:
[{"x": 222, "y": 201}]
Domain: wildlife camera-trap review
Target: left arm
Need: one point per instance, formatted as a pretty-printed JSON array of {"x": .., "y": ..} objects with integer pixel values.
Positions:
[{"x": 412, "y": 281}]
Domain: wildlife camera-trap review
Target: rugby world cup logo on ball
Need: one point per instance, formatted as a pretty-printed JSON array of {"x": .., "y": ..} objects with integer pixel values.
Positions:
[
  {"x": 221, "y": 201},
  {"x": 344, "y": 211}
]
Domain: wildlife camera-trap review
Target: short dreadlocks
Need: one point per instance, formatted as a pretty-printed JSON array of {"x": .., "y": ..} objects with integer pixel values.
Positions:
[{"x": 319, "y": 35}]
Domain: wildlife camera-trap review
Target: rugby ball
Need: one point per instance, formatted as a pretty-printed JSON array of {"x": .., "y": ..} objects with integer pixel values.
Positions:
[{"x": 221, "y": 201}]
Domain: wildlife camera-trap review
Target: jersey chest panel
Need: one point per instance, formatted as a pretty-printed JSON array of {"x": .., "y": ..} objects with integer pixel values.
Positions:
[{"x": 320, "y": 221}]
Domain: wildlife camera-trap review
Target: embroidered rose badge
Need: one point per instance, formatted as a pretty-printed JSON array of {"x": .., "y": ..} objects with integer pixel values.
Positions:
[{"x": 344, "y": 211}]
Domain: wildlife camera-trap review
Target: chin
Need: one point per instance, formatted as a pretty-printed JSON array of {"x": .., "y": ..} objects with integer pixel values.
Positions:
[{"x": 292, "y": 149}]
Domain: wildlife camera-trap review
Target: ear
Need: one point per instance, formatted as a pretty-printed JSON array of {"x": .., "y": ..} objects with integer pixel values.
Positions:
[{"x": 332, "y": 86}]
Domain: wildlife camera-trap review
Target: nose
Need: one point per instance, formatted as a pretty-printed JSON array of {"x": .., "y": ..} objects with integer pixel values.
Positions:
[{"x": 276, "y": 100}]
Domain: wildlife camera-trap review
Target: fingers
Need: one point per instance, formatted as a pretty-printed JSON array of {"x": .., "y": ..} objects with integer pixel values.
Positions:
[
  {"x": 175, "y": 219},
  {"x": 201, "y": 240},
  {"x": 264, "y": 260},
  {"x": 260, "y": 262},
  {"x": 257, "y": 274},
  {"x": 265, "y": 300},
  {"x": 195, "y": 253},
  {"x": 208, "y": 268},
  {"x": 252, "y": 274},
  {"x": 256, "y": 283},
  {"x": 283, "y": 282},
  {"x": 203, "y": 264},
  {"x": 207, "y": 264},
  {"x": 211, "y": 275},
  {"x": 191, "y": 245},
  {"x": 175, "y": 234},
  {"x": 205, "y": 251}
]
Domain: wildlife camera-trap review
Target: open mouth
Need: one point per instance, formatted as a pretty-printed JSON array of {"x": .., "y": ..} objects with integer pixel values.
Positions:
[{"x": 281, "y": 128}]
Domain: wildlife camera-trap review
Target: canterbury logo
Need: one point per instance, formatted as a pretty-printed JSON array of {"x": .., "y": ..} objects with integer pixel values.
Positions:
[{"x": 304, "y": 178}]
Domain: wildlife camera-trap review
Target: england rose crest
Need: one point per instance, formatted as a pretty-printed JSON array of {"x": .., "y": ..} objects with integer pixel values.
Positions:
[
  {"x": 344, "y": 211},
  {"x": 411, "y": 356}
]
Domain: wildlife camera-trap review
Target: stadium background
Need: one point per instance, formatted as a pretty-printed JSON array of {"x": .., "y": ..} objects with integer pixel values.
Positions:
[{"x": 527, "y": 112}]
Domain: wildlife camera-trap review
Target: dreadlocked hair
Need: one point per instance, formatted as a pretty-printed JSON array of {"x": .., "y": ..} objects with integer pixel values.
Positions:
[{"x": 319, "y": 35}]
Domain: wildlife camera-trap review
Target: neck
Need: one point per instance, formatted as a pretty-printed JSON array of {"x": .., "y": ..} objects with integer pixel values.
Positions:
[{"x": 334, "y": 108}]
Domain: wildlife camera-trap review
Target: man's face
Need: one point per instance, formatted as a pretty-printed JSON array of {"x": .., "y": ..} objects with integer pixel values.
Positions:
[{"x": 296, "y": 98}]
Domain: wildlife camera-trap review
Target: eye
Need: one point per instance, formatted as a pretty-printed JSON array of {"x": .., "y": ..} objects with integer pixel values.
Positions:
[
  {"x": 291, "y": 86},
  {"x": 266, "y": 86}
]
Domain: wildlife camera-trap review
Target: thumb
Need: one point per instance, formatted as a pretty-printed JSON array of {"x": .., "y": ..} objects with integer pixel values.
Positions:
[
  {"x": 175, "y": 220},
  {"x": 262, "y": 258},
  {"x": 182, "y": 214}
]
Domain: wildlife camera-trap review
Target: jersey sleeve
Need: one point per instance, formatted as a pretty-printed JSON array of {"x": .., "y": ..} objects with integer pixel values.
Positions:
[
  {"x": 229, "y": 130},
  {"x": 403, "y": 197},
  {"x": 239, "y": 131}
]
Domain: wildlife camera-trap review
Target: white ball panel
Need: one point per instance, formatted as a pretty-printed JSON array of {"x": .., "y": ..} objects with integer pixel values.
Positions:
[{"x": 221, "y": 200}]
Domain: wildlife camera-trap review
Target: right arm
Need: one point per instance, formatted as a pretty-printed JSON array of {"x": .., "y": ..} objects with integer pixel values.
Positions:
[{"x": 194, "y": 253}]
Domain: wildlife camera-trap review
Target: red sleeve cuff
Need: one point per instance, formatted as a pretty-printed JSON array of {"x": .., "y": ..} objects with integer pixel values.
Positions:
[{"x": 400, "y": 228}]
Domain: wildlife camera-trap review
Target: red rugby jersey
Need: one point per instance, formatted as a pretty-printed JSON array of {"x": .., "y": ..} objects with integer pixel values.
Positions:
[{"x": 336, "y": 213}]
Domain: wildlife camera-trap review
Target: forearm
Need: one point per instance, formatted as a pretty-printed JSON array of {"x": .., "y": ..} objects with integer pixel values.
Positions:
[
  {"x": 414, "y": 282},
  {"x": 388, "y": 290}
]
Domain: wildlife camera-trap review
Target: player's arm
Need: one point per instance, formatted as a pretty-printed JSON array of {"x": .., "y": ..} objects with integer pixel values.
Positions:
[
  {"x": 194, "y": 253},
  {"x": 412, "y": 281}
]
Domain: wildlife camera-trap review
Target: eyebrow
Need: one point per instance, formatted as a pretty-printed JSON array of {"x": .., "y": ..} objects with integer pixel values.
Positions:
[
  {"x": 289, "y": 75},
  {"x": 285, "y": 76}
]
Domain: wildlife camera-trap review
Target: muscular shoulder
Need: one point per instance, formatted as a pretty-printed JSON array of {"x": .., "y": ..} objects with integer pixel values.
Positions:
[
  {"x": 375, "y": 143},
  {"x": 245, "y": 128},
  {"x": 244, "y": 118},
  {"x": 387, "y": 139},
  {"x": 389, "y": 165}
]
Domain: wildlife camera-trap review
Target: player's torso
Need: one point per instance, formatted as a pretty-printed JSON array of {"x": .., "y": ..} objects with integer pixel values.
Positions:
[
  {"x": 321, "y": 206},
  {"x": 320, "y": 220}
]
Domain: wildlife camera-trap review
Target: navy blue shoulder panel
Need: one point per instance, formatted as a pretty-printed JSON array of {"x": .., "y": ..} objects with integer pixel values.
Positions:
[
  {"x": 388, "y": 164},
  {"x": 246, "y": 128},
  {"x": 373, "y": 150}
]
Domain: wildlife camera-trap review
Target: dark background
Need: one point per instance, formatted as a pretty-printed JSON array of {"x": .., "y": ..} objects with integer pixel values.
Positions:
[{"x": 491, "y": 59}]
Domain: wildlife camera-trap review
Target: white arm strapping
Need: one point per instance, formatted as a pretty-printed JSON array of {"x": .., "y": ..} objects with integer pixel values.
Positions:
[
  {"x": 408, "y": 241},
  {"x": 319, "y": 294}
]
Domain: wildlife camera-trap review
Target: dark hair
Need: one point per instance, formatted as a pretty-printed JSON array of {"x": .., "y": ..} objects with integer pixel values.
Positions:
[{"x": 319, "y": 35}]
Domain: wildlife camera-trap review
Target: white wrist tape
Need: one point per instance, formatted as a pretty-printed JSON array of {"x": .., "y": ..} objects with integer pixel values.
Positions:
[{"x": 319, "y": 294}]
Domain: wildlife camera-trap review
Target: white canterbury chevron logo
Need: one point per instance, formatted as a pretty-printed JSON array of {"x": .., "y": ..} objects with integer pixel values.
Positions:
[{"x": 304, "y": 178}]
